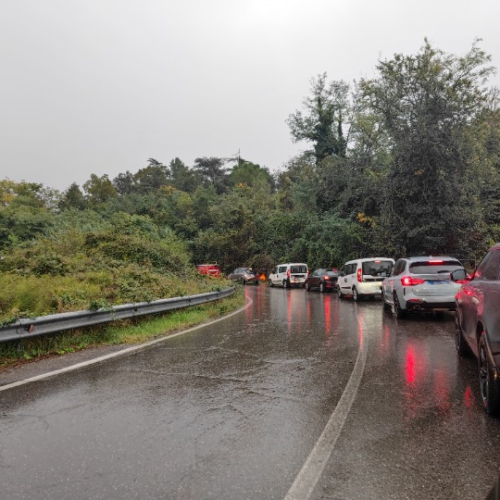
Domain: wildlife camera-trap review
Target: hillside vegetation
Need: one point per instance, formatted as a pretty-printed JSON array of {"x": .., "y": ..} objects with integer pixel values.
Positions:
[{"x": 122, "y": 260}]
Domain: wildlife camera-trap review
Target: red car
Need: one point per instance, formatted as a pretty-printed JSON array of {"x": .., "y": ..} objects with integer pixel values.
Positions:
[{"x": 210, "y": 269}]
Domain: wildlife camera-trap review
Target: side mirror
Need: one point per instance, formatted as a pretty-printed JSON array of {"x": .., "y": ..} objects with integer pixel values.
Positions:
[
  {"x": 459, "y": 276},
  {"x": 341, "y": 274}
]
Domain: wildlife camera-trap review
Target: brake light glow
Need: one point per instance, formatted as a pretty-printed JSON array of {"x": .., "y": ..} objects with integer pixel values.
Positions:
[
  {"x": 326, "y": 277},
  {"x": 288, "y": 273},
  {"x": 360, "y": 277},
  {"x": 435, "y": 262},
  {"x": 411, "y": 281}
]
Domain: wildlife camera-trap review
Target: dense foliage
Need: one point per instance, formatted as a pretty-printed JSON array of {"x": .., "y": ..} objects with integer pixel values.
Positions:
[{"x": 407, "y": 162}]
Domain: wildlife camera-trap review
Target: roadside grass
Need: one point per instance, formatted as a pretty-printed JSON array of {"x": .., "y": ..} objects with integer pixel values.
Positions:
[{"x": 124, "y": 332}]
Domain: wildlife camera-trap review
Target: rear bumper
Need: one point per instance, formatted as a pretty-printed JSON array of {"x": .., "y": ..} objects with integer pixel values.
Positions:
[{"x": 423, "y": 305}]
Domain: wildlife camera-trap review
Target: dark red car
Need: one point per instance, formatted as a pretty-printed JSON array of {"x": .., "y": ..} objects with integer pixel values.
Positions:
[
  {"x": 477, "y": 321},
  {"x": 322, "y": 279}
]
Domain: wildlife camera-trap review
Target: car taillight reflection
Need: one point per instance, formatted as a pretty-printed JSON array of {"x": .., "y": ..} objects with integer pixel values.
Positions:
[
  {"x": 411, "y": 281},
  {"x": 410, "y": 366}
]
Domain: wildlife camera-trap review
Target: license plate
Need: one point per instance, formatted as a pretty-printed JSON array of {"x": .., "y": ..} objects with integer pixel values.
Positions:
[{"x": 438, "y": 282}]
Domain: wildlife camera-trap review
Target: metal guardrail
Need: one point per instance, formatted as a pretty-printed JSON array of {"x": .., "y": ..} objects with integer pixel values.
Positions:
[{"x": 31, "y": 327}]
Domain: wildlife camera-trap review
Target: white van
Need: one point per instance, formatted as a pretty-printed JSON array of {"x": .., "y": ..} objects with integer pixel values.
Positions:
[
  {"x": 288, "y": 275},
  {"x": 363, "y": 277}
]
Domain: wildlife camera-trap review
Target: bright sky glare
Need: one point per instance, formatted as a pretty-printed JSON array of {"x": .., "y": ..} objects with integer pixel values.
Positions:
[{"x": 100, "y": 86}]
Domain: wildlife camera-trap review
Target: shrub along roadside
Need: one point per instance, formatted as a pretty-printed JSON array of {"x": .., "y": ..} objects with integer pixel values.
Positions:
[
  {"x": 131, "y": 260},
  {"x": 123, "y": 332}
]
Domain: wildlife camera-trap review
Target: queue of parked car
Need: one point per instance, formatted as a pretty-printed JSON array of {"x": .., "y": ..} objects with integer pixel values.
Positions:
[
  {"x": 415, "y": 285},
  {"x": 423, "y": 284}
]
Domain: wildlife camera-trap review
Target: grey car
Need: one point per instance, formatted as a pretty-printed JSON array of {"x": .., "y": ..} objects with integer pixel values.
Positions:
[
  {"x": 477, "y": 322},
  {"x": 244, "y": 275}
]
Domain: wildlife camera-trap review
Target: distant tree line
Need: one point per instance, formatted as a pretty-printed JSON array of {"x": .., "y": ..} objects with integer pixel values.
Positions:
[{"x": 406, "y": 162}]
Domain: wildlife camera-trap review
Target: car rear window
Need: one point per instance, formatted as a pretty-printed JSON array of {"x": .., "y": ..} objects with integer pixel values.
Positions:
[
  {"x": 377, "y": 268},
  {"x": 434, "y": 266},
  {"x": 331, "y": 273},
  {"x": 298, "y": 269}
]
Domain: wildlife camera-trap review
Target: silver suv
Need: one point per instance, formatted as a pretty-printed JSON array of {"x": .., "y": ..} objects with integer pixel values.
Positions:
[{"x": 422, "y": 284}]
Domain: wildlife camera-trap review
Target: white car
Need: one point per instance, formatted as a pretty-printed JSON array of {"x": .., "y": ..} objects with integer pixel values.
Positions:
[
  {"x": 361, "y": 278},
  {"x": 289, "y": 274},
  {"x": 423, "y": 284}
]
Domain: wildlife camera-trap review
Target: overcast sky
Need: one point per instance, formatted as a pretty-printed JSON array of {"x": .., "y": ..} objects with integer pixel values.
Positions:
[{"x": 100, "y": 86}]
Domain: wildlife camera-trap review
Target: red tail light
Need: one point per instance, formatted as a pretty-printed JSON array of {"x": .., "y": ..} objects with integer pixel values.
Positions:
[
  {"x": 360, "y": 276},
  {"x": 410, "y": 281},
  {"x": 288, "y": 273},
  {"x": 326, "y": 277}
]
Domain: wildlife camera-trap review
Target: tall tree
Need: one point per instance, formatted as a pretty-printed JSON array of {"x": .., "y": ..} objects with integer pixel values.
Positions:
[
  {"x": 124, "y": 183},
  {"x": 183, "y": 178},
  {"x": 427, "y": 104},
  {"x": 73, "y": 198},
  {"x": 99, "y": 189},
  {"x": 153, "y": 177},
  {"x": 213, "y": 172},
  {"x": 322, "y": 123}
]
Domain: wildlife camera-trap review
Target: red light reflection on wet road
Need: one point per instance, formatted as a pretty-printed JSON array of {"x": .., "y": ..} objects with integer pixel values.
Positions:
[
  {"x": 469, "y": 398},
  {"x": 410, "y": 365},
  {"x": 327, "y": 316},
  {"x": 428, "y": 382}
]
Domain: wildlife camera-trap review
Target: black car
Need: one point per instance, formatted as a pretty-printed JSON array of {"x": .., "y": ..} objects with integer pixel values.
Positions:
[
  {"x": 244, "y": 275},
  {"x": 322, "y": 279},
  {"x": 477, "y": 321}
]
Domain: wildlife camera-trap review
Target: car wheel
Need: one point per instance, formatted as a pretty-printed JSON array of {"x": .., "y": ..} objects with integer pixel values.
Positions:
[
  {"x": 243, "y": 282},
  {"x": 387, "y": 307},
  {"x": 460, "y": 343},
  {"x": 398, "y": 311},
  {"x": 340, "y": 295},
  {"x": 308, "y": 287},
  {"x": 322, "y": 287},
  {"x": 355, "y": 294},
  {"x": 271, "y": 284},
  {"x": 489, "y": 384},
  {"x": 285, "y": 283}
]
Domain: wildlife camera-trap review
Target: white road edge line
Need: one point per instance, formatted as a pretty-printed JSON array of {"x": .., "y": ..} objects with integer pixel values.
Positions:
[
  {"x": 306, "y": 480},
  {"x": 120, "y": 353}
]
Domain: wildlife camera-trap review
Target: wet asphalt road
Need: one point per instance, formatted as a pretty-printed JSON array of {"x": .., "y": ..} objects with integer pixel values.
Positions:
[{"x": 234, "y": 410}]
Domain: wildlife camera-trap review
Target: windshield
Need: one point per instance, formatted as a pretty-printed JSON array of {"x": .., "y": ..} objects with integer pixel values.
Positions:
[
  {"x": 377, "y": 268},
  {"x": 435, "y": 267}
]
